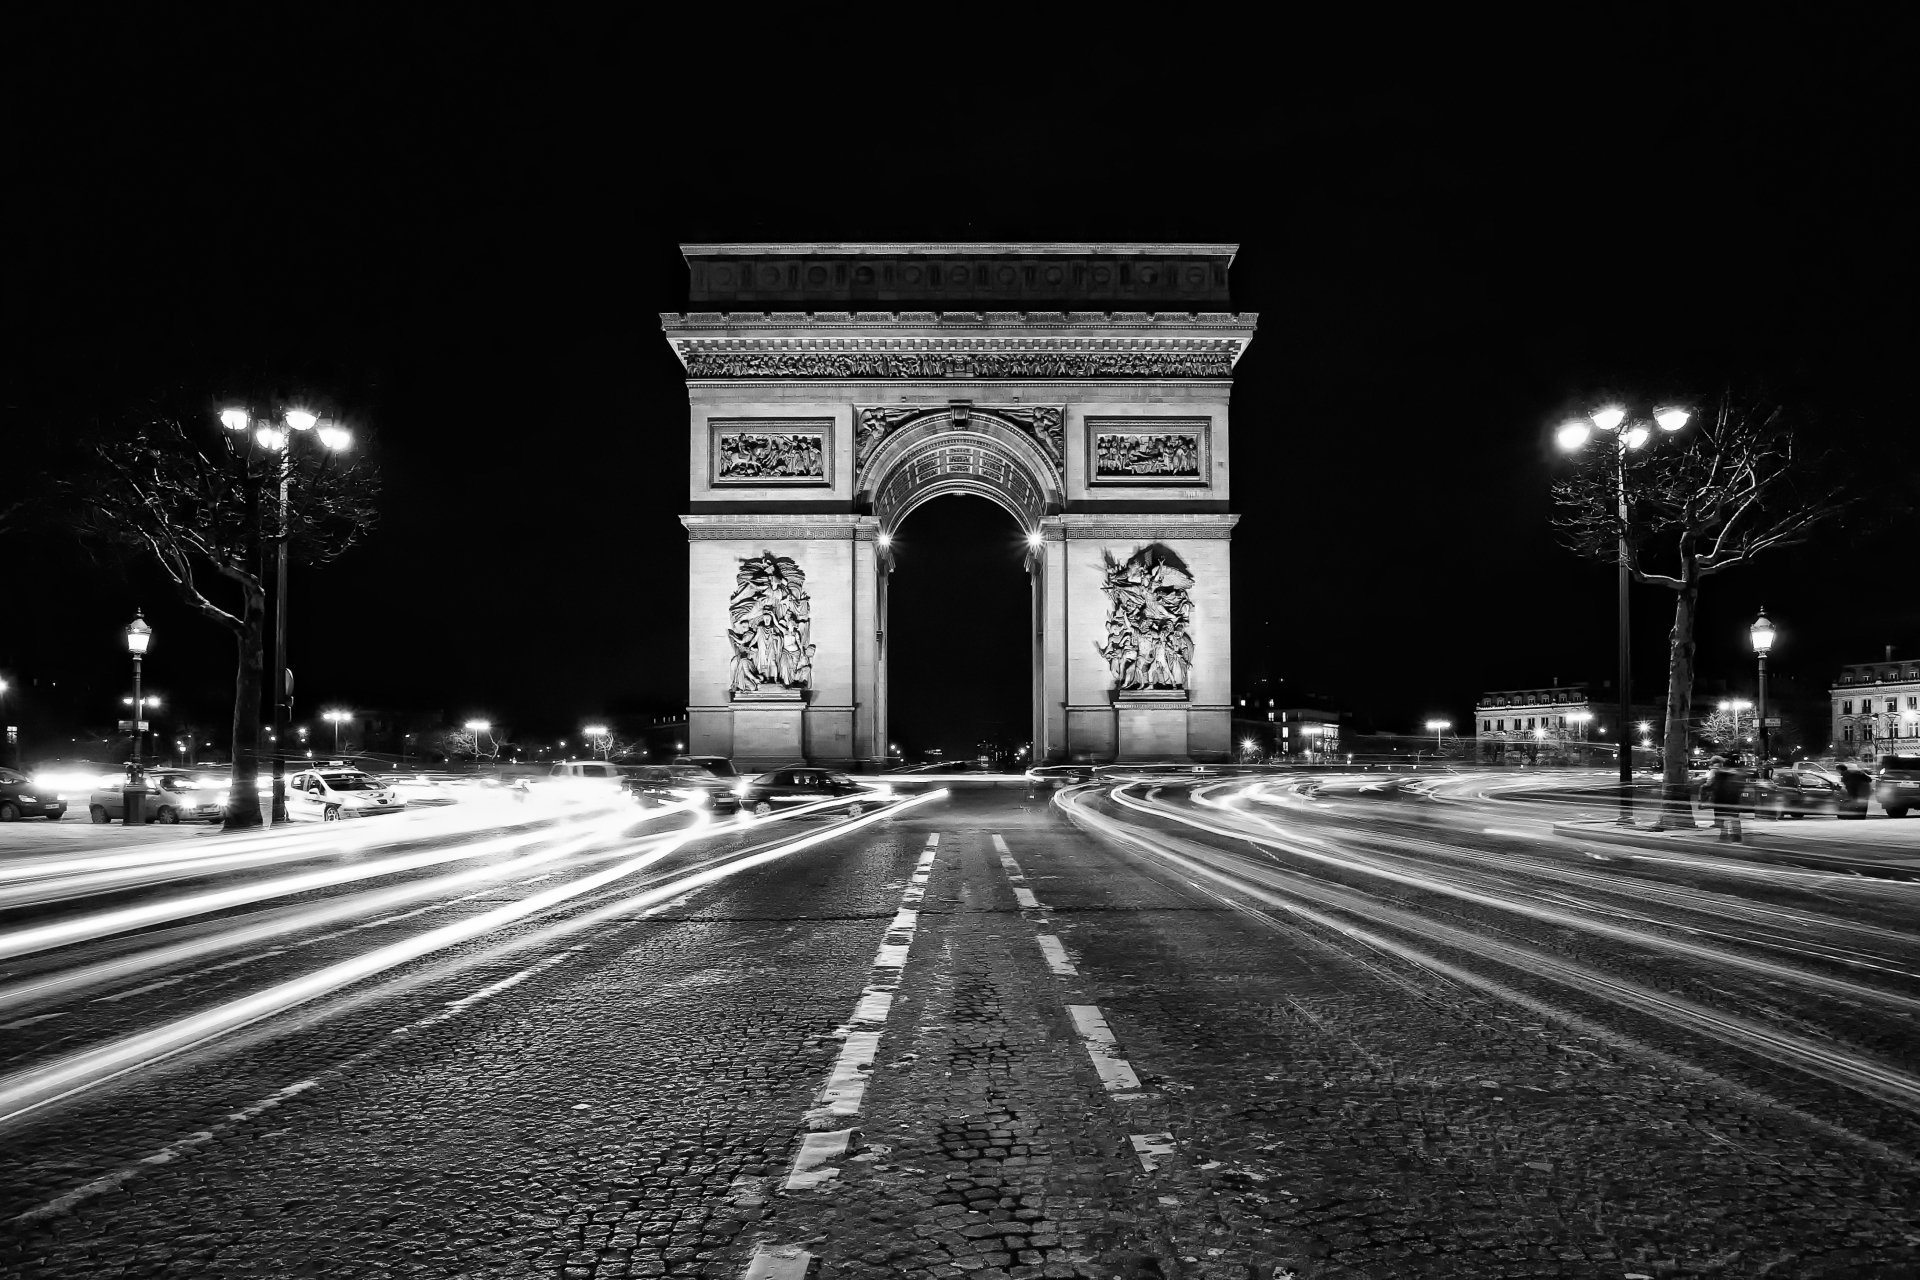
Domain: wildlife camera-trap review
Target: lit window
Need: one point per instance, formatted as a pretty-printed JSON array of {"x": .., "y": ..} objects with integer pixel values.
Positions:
[
  {"x": 1269, "y": 715},
  {"x": 1283, "y": 732}
]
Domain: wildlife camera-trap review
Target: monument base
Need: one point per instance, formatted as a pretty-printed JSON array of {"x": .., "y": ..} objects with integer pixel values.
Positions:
[
  {"x": 1151, "y": 725},
  {"x": 768, "y": 728}
]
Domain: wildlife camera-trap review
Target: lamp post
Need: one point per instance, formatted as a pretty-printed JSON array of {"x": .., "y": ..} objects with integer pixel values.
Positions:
[
  {"x": 598, "y": 736},
  {"x": 1762, "y": 634},
  {"x": 476, "y": 728},
  {"x": 273, "y": 438},
  {"x": 139, "y": 636},
  {"x": 339, "y": 718},
  {"x": 11, "y": 755},
  {"x": 1628, "y": 434},
  {"x": 1438, "y": 727}
]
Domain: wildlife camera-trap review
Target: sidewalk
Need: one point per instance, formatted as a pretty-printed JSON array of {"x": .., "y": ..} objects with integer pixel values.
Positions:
[
  {"x": 1878, "y": 846},
  {"x": 31, "y": 837}
]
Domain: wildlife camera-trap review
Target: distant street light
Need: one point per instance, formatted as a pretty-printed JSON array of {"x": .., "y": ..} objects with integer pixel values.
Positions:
[
  {"x": 1438, "y": 727},
  {"x": 139, "y": 636},
  {"x": 271, "y": 437},
  {"x": 476, "y": 728},
  {"x": 1762, "y": 634},
  {"x": 600, "y": 738},
  {"x": 1628, "y": 434},
  {"x": 339, "y": 718}
]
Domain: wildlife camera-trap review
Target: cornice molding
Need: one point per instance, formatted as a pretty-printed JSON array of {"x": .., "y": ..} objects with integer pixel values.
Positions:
[
  {"x": 836, "y": 527},
  {"x": 1076, "y": 527},
  {"x": 1059, "y": 323}
]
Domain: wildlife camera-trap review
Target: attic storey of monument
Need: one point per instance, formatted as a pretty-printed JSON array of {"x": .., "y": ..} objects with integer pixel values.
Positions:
[{"x": 1105, "y": 433}]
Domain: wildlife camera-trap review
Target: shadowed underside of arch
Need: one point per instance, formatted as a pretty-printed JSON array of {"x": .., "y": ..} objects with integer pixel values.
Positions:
[{"x": 920, "y": 464}]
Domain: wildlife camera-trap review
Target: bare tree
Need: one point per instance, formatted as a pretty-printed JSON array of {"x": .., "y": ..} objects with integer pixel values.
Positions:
[
  {"x": 1740, "y": 483},
  {"x": 203, "y": 505}
]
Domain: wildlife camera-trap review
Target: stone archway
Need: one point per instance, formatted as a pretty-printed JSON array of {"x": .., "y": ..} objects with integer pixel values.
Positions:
[
  {"x": 816, "y": 432},
  {"x": 912, "y": 457}
]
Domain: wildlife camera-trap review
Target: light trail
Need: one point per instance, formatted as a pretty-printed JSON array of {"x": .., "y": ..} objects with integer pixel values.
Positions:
[
  {"x": 106, "y": 923},
  {"x": 1285, "y": 889},
  {"x": 70, "y": 983},
  {"x": 27, "y": 1091}
]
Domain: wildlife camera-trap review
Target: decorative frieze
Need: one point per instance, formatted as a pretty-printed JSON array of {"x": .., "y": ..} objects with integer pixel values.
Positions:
[
  {"x": 1044, "y": 424},
  {"x": 986, "y": 364}
]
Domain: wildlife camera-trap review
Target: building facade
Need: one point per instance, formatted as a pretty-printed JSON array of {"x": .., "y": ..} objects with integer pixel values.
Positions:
[
  {"x": 1876, "y": 708},
  {"x": 834, "y": 388},
  {"x": 1568, "y": 722}
]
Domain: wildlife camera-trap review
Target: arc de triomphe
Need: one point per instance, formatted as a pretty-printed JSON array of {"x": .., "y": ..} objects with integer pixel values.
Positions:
[{"x": 836, "y": 387}]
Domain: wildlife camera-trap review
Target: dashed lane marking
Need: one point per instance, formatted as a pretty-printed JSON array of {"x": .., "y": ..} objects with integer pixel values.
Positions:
[
  {"x": 1016, "y": 877},
  {"x": 778, "y": 1262},
  {"x": 839, "y": 1100},
  {"x": 1113, "y": 1069},
  {"x": 1056, "y": 953},
  {"x": 1152, "y": 1148}
]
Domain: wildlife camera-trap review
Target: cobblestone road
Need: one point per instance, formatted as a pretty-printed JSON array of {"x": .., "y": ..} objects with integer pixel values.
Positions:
[{"x": 1113, "y": 1032}]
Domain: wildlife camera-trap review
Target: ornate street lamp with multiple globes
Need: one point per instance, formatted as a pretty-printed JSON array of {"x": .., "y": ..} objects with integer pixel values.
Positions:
[
  {"x": 1629, "y": 433},
  {"x": 277, "y": 438}
]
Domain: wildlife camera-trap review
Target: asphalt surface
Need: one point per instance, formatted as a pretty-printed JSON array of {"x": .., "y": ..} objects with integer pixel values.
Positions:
[{"x": 1338, "y": 1026}]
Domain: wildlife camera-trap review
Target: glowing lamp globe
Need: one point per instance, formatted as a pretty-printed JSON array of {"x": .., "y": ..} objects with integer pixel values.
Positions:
[
  {"x": 1762, "y": 633},
  {"x": 139, "y": 635}
]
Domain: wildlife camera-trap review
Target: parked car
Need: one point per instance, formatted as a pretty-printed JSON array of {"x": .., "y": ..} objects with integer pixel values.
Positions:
[
  {"x": 1897, "y": 784},
  {"x": 718, "y": 766},
  {"x": 22, "y": 797},
  {"x": 790, "y": 788},
  {"x": 329, "y": 795},
  {"x": 656, "y": 784},
  {"x": 173, "y": 795},
  {"x": 1795, "y": 793}
]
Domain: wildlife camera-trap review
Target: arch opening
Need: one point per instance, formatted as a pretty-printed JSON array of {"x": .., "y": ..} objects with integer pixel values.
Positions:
[{"x": 959, "y": 651}]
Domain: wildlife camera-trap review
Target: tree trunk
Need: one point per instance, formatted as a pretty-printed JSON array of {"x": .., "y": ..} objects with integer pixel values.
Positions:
[
  {"x": 1677, "y": 811},
  {"x": 243, "y": 790}
]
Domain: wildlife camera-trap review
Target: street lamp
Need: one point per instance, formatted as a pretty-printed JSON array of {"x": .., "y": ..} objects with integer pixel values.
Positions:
[
  {"x": 1762, "y": 634},
  {"x": 339, "y": 718},
  {"x": 139, "y": 636},
  {"x": 1438, "y": 727},
  {"x": 1628, "y": 434},
  {"x": 476, "y": 728},
  {"x": 271, "y": 437},
  {"x": 597, "y": 734}
]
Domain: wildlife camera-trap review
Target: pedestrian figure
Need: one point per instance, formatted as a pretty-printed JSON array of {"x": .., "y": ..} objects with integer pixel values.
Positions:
[
  {"x": 1724, "y": 786},
  {"x": 1856, "y": 784}
]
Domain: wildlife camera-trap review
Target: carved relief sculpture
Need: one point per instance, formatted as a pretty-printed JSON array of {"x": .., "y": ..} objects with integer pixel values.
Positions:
[
  {"x": 1135, "y": 452},
  {"x": 770, "y": 624},
  {"x": 1044, "y": 424},
  {"x": 769, "y": 457},
  {"x": 1148, "y": 645},
  {"x": 873, "y": 427}
]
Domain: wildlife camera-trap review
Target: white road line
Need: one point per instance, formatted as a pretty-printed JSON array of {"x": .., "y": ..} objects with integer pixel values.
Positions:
[
  {"x": 1152, "y": 1148},
  {"x": 1114, "y": 1072},
  {"x": 1017, "y": 878},
  {"x": 1025, "y": 898},
  {"x": 1056, "y": 953},
  {"x": 840, "y": 1098},
  {"x": 170, "y": 1152}
]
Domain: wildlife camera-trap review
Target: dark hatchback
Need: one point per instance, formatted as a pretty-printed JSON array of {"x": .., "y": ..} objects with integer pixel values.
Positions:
[
  {"x": 658, "y": 784},
  {"x": 791, "y": 788},
  {"x": 21, "y": 798}
]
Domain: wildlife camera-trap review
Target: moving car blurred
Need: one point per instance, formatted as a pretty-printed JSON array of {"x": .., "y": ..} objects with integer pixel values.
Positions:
[
  {"x": 332, "y": 794},
  {"x": 718, "y": 766},
  {"x": 1897, "y": 784},
  {"x": 22, "y": 797},
  {"x": 173, "y": 795},
  {"x": 657, "y": 784},
  {"x": 1795, "y": 793},
  {"x": 790, "y": 788}
]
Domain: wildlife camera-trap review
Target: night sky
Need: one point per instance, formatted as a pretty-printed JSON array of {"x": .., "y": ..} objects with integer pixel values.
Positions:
[{"x": 460, "y": 238}]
